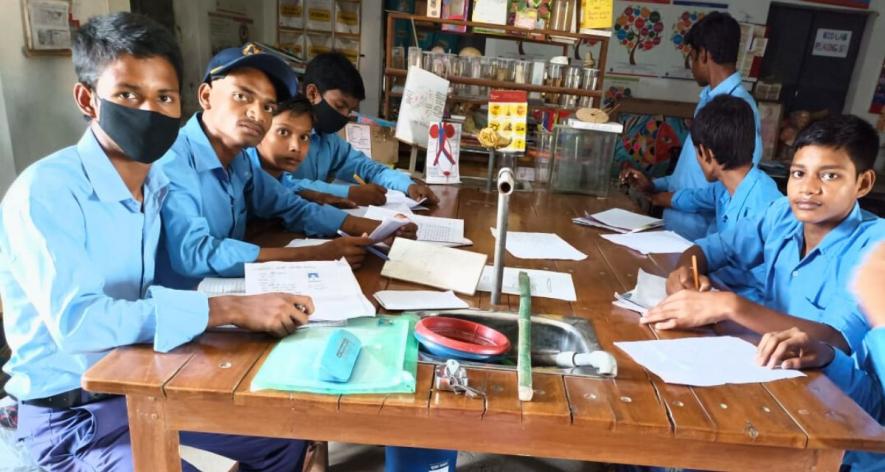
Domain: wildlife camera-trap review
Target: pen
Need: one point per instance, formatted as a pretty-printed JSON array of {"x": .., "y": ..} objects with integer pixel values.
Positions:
[
  {"x": 359, "y": 179},
  {"x": 694, "y": 272},
  {"x": 369, "y": 248}
]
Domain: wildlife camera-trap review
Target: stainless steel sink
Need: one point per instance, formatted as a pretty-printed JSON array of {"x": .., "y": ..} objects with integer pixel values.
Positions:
[{"x": 551, "y": 334}]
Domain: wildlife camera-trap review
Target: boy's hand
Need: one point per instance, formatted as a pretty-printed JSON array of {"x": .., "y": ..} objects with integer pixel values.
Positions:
[
  {"x": 662, "y": 199},
  {"x": 419, "y": 190},
  {"x": 327, "y": 199},
  {"x": 636, "y": 179},
  {"x": 408, "y": 231},
  {"x": 682, "y": 279},
  {"x": 276, "y": 313},
  {"x": 368, "y": 194},
  {"x": 793, "y": 349},
  {"x": 868, "y": 286},
  {"x": 688, "y": 309},
  {"x": 351, "y": 248}
]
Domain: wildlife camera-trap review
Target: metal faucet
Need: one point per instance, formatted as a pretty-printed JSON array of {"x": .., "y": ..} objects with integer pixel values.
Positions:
[{"x": 506, "y": 183}]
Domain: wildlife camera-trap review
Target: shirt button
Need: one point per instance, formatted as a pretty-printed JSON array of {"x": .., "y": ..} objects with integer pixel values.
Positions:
[{"x": 795, "y": 273}]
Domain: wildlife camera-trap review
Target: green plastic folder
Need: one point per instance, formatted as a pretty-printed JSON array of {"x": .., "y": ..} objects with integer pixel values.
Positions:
[{"x": 388, "y": 362}]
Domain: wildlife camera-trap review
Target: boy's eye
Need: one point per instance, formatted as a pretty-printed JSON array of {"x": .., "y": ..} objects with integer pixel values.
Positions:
[
  {"x": 167, "y": 99},
  {"x": 305, "y": 138},
  {"x": 283, "y": 132},
  {"x": 270, "y": 108},
  {"x": 240, "y": 96},
  {"x": 829, "y": 176},
  {"x": 797, "y": 174},
  {"x": 127, "y": 95}
]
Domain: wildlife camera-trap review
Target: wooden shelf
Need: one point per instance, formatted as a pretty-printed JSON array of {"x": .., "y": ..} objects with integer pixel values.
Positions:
[
  {"x": 532, "y": 104},
  {"x": 510, "y": 31},
  {"x": 507, "y": 85}
]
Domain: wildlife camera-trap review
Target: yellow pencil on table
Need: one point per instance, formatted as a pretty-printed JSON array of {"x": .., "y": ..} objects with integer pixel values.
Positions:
[
  {"x": 694, "y": 272},
  {"x": 359, "y": 179}
]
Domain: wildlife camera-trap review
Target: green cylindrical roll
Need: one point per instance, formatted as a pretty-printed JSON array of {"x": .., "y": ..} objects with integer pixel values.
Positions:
[{"x": 524, "y": 356}]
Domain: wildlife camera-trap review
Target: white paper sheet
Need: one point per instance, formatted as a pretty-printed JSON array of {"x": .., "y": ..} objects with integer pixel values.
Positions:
[
  {"x": 215, "y": 286},
  {"x": 545, "y": 283},
  {"x": 423, "y": 103},
  {"x": 331, "y": 284},
  {"x": 388, "y": 226},
  {"x": 439, "y": 267},
  {"x": 430, "y": 228},
  {"x": 703, "y": 361},
  {"x": 396, "y": 197},
  {"x": 540, "y": 246},
  {"x": 308, "y": 242},
  {"x": 621, "y": 221},
  {"x": 653, "y": 242},
  {"x": 650, "y": 289},
  {"x": 419, "y": 300}
]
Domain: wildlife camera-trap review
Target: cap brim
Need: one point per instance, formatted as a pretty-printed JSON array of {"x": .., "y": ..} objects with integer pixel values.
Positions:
[{"x": 281, "y": 76}]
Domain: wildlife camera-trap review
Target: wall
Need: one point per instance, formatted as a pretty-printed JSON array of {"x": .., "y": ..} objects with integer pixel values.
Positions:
[
  {"x": 860, "y": 91},
  {"x": 7, "y": 163},
  {"x": 37, "y": 91}
]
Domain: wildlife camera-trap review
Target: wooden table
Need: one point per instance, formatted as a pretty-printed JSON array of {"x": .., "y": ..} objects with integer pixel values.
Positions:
[{"x": 799, "y": 424}]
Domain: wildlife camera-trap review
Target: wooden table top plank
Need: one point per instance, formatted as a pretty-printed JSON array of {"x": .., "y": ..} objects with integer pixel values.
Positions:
[
  {"x": 690, "y": 418},
  {"x": 637, "y": 408},
  {"x": 827, "y": 416},
  {"x": 747, "y": 414},
  {"x": 502, "y": 400},
  {"x": 412, "y": 404},
  {"x": 549, "y": 403},
  {"x": 136, "y": 369},
  {"x": 588, "y": 401},
  {"x": 444, "y": 403},
  {"x": 220, "y": 362}
]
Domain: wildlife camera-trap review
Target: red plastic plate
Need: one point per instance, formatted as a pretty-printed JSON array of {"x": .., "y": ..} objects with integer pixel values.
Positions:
[{"x": 463, "y": 335}]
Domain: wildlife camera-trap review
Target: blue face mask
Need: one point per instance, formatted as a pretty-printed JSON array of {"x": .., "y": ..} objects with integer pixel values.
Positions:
[{"x": 143, "y": 136}]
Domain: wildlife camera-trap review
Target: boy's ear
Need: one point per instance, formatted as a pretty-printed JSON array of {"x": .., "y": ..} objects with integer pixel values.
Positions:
[
  {"x": 83, "y": 98},
  {"x": 866, "y": 180},
  {"x": 203, "y": 92},
  {"x": 312, "y": 92},
  {"x": 706, "y": 154}
]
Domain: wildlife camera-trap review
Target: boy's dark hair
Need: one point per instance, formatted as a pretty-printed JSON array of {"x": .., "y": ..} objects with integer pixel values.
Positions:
[
  {"x": 333, "y": 70},
  {"x": 103, "y": 39},
  {"x": 719, "y": 34},
  {"x": 297, "y": 105},
  {"x": 846, "y": 133},
  {"x": 727, "y": 127}
]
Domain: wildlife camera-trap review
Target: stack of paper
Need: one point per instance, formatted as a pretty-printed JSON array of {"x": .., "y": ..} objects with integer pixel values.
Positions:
[
  {"x": 704, "y": 361},
  {"x": 654, "y": 242},
  {"x": 649, "y": 291},
  {"x": 430, "y": 228},
  {"x": 395, "y": 197},
  {"x": 419, "y": 300},
  {"x": 439, "y": 267},
  {"x": 308, "y": 242},
  {"x": 540, "y": 246},
  {"x": 545, "y": 283},
  {"x": 388, "y": 226},
  {"x": 331, "y": 284},
  {"x": 620, "y": 221},
  {"x": 216, "y": 286}
]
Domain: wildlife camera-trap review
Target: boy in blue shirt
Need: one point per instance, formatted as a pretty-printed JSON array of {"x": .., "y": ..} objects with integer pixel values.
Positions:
[
  {"x": 335, "y": 89},
  {"x": 722, "y": 133},
  {"x": 862, "y": 375},
  {"x": 714, "y": 42},
  {"x": 809, "y": 243},
  {"x": 216, "y": 187},
  {"x": 78, "y": 238}
]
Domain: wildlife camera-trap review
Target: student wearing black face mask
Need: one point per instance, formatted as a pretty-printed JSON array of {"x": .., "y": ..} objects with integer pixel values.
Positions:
[
  {"x": 334, "y": 87},
  {"x": 78, "y": 239}
]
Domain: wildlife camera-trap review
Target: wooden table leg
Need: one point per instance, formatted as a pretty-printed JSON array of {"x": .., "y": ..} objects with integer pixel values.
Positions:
[
  {"x": 829, "y": 460},
  {"x": 154, "y": 445}
]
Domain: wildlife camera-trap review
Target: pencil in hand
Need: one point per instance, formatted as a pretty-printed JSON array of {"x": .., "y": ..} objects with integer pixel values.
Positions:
[
  {"x": 359, "y": 179},
  {"x": 694, "y": 273}
]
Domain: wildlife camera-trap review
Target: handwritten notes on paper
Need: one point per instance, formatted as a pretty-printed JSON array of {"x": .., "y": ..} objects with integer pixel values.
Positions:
[
  {"x": 424, "y": 99},
  {"x": 439, "y": 267}
]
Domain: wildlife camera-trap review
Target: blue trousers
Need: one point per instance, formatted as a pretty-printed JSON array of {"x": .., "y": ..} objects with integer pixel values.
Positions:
[{"x": 95, "y": 437}]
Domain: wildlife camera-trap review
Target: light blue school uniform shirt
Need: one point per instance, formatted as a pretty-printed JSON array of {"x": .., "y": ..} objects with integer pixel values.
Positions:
[
  {"x": 688, "y": 173},
  {"x": 861, "y": 376},
  {"x": 751, "y": 198},
  {"x": 205, "y": 215},
  {"x": 331, "y": 157},
  {"x": 77, "y": 271},
  {"x": 814, "y": 287}
]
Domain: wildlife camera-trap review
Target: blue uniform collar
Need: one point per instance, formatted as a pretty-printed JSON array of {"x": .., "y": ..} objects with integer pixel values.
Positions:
[
  {"x": 205, "y": 158},
  {"x": 727, "y": 86},
  {"x": 836, "y": 235},
  {"x": 103, "y": 176},
  {"x": 743, "y": 190}
]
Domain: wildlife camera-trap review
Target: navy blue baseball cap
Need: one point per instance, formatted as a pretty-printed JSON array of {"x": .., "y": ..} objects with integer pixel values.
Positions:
[{"x": 250, "y": 55}]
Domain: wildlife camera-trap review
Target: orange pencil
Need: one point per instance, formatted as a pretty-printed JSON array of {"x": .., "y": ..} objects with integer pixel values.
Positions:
[
  {"x": 694, "y": 272},
  {"x": 359, "y": 179}
]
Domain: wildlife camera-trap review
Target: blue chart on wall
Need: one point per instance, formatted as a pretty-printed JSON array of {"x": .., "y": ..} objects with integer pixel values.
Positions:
[{"x": 648, "y": 142}]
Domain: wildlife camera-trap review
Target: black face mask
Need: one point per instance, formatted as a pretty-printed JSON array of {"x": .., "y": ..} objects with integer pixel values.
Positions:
[
  {"x": 327, "y": 120},
  {"x": 142, "y": 135}
]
